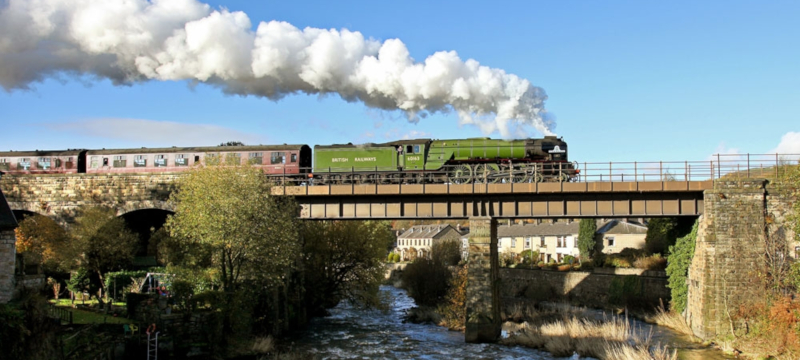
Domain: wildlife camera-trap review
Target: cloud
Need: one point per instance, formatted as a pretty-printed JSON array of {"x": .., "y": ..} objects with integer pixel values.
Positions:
[
  {"x": 723, "y": 150},
  {"x": 158, "y": 133},
  {"x": 187, "y": 40},
  {"x": 790, "y": 144}
]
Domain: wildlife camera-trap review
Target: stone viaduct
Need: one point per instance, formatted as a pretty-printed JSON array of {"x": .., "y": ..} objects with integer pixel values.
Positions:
[{"x": 740, "y": 220}]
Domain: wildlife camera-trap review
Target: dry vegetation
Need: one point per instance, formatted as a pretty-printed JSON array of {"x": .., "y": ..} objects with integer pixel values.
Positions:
[{"x": 563, "y": 330}]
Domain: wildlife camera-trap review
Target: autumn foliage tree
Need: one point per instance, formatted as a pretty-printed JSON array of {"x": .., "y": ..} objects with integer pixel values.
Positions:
[
  {"x": 41, "y": 240},
  {"x": 228, "y": 209}
]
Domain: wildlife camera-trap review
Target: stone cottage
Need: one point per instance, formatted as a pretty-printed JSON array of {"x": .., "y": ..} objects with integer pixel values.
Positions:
[{"x": 418, "y": 240}]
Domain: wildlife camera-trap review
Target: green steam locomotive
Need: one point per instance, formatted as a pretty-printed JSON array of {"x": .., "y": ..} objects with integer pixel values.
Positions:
[{"x": 456, "y": 161}]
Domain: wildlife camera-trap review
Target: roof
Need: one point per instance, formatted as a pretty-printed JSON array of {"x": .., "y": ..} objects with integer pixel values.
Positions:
[
  {"x": 424, "y": 231},
  {"x": 621, "y": 227},
  {"x": 246, "y": 148},
  {"x": 41, "y": 153},
  {"x": 373, "y": 145},
  {"x": 546, "y": 229},
  {"x": 7, "y": 219}
]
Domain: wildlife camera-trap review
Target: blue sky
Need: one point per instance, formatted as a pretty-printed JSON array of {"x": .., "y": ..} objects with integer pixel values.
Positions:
[{"x": 626, "y": 81}]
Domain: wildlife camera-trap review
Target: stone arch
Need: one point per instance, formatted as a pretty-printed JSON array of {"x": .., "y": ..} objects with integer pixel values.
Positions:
[
  {"x": 131, "y": 206},
  {"x": 144, "y": 222}
]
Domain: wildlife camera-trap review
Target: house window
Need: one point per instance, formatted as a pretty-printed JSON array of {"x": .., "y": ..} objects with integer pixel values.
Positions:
[
  {"x": 141, "y": 161},
  {"x": 160, "y": 160},
  {"x": 528, "y": 242},
  {"x": 43, "y": 163},
  {"x": 541, "y": 242},
  {"x": 610, "y": 241},
  {"x": 561, "y": 241},
  {"x": 277, "y": 158},
  {"x": 294, "y": 158},
  {"x": 514, "y": 242},
  {"x": 120, "y": 161},
  {"x": 183, "y": 160},
  {"x": 4, "y": 165},
  {"x": 24, "y": 164},
  {"x": 256, "y": 158}
]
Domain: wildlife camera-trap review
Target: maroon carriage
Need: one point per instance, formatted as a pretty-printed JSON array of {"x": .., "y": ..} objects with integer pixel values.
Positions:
[
  {"x": 292, "y": 160},
  {"x": 42, "y": 162}
]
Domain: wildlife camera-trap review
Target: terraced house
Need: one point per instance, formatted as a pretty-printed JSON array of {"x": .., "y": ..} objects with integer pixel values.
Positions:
[
  {"x": 555, "y": 240},
  {"x": 418, "y": 240}
]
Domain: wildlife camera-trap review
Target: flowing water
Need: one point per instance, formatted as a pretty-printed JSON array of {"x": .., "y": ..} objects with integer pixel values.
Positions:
[{"x": 352, "y": 333}]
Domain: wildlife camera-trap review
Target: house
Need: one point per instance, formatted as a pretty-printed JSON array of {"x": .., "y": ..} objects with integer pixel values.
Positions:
[
  {"x": 7, "y": 250},
  {"x": 553, "y": 240},
  {"x": 614, "y": 235},
  {"x": 419, "y": 239}
]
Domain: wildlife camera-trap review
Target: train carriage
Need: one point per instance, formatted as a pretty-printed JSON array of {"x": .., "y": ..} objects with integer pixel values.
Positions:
[
  {"x": 42, "y": 162},
  {"x": 272, "y": 159}
]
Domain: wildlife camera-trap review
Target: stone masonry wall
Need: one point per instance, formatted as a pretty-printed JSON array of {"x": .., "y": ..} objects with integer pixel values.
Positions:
[
  {"x": 483, "y": 293},
  {"x": 599, "y": 289},
  {"x": 58, "y": 196},
  {"x": 8, "y": 256},
  {"x": 739, "y": 221}
]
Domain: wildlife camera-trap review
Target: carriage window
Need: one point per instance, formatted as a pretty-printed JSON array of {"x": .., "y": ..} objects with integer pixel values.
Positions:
[
  {"x": 256, "y": 158},
  {"x": 160, "y": 160},
  {"x": 140, "y": 161},
  {"x": 416, "y": 149},
  {"x": 294, "y": 158},
  {"x": 183, "y": 160},
  {"x": 120, "y": 161},
  {"x": 278, "y": 158},
  {"x": 24, "y": 164},
  {"x": 43, "y": 163},
  {"x": 94, "y": 162},
  {"x": 233, "y": 158},
  {"x": 4, "y": 165}
]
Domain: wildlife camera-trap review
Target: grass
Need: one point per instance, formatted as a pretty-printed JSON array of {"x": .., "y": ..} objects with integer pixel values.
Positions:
[
  {"x": 669, "y": 319},
  {"x": 563, "y": 330},
  {"x": 90, "y": 317}
]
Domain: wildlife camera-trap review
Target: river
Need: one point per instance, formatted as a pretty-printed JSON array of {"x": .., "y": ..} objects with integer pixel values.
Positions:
[{"x": 352, "y": 333}]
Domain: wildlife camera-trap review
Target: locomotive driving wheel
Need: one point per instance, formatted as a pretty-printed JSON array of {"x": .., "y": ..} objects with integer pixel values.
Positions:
[
  {"x": 487, "y": 173},
  {"x": 519, "y": 175},
  {"x": 461, "y": 174}
]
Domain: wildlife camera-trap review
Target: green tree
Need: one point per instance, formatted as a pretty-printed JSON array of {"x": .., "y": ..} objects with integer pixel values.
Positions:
[
  {"x": 678, "y": 262},
  {"x": 586, "y": 238},
  {"x": 251, "y": 234},
  {"x": 343, "y": 260},
  {"x": 660, "y": 235},
  {"x": 446, "y": 252},
  {"x": 102, "y": 242}
]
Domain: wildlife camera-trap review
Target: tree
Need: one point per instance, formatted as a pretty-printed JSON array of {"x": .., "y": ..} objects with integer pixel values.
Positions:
[
  {"x": 586, "y": 238},
  {"x": 42, "y": 241},
  {"x": 102, "y": 242},
  {"x": 446, "y": 252},
  {"x": 232, "y": 143},
  {"x": 251, "y": 234},
  {"x": 343, "y": 260}
]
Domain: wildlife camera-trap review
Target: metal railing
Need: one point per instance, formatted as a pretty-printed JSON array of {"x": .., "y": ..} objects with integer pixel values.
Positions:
[{"x": 734, "y": 166}]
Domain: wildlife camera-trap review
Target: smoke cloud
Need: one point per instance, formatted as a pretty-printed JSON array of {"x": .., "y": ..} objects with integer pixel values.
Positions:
[{"x": 138, "y": 40}]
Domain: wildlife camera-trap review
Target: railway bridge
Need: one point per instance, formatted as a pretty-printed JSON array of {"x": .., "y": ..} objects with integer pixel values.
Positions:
[{"x": 719, "y": 188}]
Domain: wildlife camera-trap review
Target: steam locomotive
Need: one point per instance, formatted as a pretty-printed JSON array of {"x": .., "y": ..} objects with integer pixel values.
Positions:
[{"x": 456, "y": 161}]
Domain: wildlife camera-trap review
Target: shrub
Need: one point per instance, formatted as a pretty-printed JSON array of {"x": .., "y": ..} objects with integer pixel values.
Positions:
[
  {"x": 182, "y": 292},
  {"x": 26, "y": 330},
  {"x": 454, "y": 309},
  {"x": 426, "y": 281},
  {"x": 678, "y": 268},
  {"x": 396, "y": 257},
  {"x": 653, "y": 262},
  {"x": 506, "y": 260},
  {"x": 569, "y": 259},
  {"x": 529, "y": 257}
]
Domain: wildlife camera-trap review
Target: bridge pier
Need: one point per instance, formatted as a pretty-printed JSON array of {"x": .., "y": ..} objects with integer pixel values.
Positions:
[{"x": 483, "y": 291}]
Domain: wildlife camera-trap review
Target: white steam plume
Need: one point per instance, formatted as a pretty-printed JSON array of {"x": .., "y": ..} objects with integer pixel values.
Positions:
[{"x": 137, "y": 40}]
